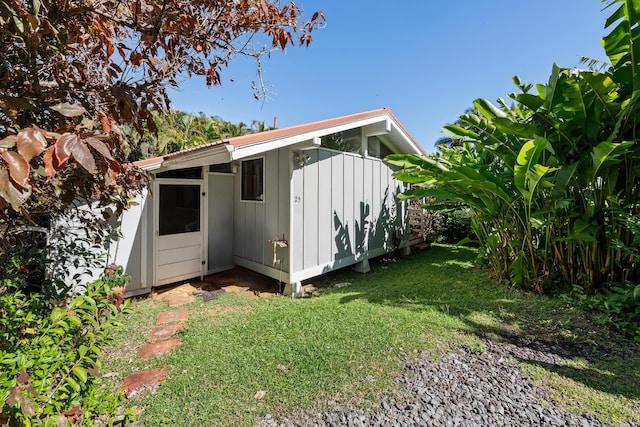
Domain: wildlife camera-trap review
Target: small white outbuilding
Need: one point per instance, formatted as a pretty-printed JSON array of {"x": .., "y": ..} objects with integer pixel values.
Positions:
[{"x": 290, "y": 203}]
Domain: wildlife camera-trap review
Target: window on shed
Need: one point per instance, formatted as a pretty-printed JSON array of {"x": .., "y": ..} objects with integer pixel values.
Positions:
[
  {"x": 188, "y": 173},
  {"x": 253, "y": 180},
  {"x": 377, "y": 148},
  {"x": 348, "y": 141},
  {"x": 221, "y": 168}
]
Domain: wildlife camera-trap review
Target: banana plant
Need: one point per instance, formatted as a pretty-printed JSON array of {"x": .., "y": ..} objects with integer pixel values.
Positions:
[{"x": 549, "y": 177}]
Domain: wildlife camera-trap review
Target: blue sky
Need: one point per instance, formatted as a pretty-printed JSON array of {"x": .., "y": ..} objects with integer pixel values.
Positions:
[{"x": 427, "y": 60}]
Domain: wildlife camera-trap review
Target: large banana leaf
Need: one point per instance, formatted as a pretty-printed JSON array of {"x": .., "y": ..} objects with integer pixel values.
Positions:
[
  {"x": 528, "y": 174},
  {"x": 607, "y": 154}
]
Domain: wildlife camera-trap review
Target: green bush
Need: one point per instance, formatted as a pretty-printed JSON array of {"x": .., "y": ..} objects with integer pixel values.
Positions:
[
  {"x": 456, "y": 225},
  {"x": 619, "y": 307},
  {"x": 50, "y": 355}
]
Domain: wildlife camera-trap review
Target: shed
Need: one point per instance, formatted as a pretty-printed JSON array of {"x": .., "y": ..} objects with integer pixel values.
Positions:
[{"x": 290, "y": 203}]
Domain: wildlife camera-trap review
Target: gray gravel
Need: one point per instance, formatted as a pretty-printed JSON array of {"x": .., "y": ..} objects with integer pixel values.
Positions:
[{"x": 462, "y": 388}]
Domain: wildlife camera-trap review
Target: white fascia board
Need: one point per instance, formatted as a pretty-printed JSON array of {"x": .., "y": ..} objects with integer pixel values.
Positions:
[
  {"x": 376, "y": 129},
  {"x": 153, "y": 167},
  {"x": 314, "y": 136},
  {"x": 405, "y": 140},
  {"x": 217, "y": 154}
]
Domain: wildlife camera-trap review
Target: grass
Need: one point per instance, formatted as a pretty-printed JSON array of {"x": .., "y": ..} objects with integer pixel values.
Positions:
[{"x": 345, "y": 345}]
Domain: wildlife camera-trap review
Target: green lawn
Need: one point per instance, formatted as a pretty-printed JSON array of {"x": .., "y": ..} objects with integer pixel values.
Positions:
[{"x": 345, "y": 344}]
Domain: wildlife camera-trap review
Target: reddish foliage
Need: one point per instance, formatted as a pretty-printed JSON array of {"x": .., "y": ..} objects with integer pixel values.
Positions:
[{"x": 73, "y": 72}]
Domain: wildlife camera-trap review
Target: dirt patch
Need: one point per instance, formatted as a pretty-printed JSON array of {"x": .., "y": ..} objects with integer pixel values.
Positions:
[{"x": 177, "y": 291}]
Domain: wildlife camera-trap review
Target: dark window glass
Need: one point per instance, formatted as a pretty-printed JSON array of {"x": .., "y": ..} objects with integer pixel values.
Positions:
[
  {"x": 377, "y": 148},
  {"x": 220, "y": 168},
  {"x": 189, "y": 173},
  {"x": 348, "y": 141},
  {"x": 179, "y": 209},
  {"x": 252, "y": 180}
]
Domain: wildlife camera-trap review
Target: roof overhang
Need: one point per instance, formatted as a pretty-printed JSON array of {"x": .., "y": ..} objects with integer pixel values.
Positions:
[
  {"x": 381, "y": 122},
  {"x": 212, "y": 155}
]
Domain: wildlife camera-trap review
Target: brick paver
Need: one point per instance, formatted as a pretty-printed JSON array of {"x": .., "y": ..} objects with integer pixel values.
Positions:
[
  {"x": 166, "y": 331},
  {"x": 158, "y": 348},
  {"x": 143, "y": 379},
  {"x": 172, "y": 316},
  {"x": 178, "y": 300}
]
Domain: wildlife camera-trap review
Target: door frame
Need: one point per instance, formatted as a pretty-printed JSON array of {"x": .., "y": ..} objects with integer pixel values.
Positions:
[{"x": 203, "y": 224}]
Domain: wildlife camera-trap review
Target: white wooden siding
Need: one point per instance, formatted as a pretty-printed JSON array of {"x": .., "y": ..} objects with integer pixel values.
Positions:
[
  {"x": 346, "y": 211},
  {"x": 256, "y": 223},
  {"x": 310, "y": 211},
  {"x": 338, "y": 232},
  {"x": 325, "y": 210}
]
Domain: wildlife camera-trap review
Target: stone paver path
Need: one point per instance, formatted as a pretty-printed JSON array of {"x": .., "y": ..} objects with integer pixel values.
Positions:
[
  {"x": 172, "y": 316},
  {"x": 157, "y": 348},
  {"x": 166, "y": 331},
  {"x": 168, "y": 324},
  {"x": 179, "y": 300},
  {"x": 137, "y": 381}
]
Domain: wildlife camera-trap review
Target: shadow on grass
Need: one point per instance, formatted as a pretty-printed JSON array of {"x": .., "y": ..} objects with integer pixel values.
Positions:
[
  {"x": 444, "y": 279},
  {"x": 613, "y": 376}
]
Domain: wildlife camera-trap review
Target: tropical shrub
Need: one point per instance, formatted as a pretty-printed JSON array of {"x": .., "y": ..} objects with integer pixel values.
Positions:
[
  {"x": 50, "y": 354},
  {"x": 549, "y": 178},
  {"x": 456, "y": 225},
  {"x": 619, "y": 307}
]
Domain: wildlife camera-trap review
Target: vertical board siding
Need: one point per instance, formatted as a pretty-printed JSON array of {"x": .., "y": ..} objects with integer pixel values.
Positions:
[
  {"x": 260, "y": 240},
  {"x": 256, "y": 223},
  {"x": 373, "y": 239},
  {"x": 340, "y": 243},
  {"x": 310, "y": 212},
  {"x": 325, "y": 209},
  {"x": 250, "y": 231},
  {"x": 359, "y": 207},
  {"x": 297, "y": 218},
  {"x": 284, "y": 205},
  {"x": 338, "y": 208},
  {"x": 349, "y": 208},
  {"x": 239, "y": 220},
  {"x": 269, "y": 209},
  {"x": 134, "y": 263},
  {"x": 272, "y": 196}
]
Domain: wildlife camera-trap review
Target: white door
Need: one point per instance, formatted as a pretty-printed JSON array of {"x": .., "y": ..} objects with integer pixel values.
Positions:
[{"x": 179, "y": 230}]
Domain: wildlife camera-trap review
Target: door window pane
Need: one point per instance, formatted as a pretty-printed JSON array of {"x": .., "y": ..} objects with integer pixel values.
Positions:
[{"x": 179, "y": 209}]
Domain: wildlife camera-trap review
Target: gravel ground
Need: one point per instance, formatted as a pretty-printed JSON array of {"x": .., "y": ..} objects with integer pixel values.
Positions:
[{"x": 463, "y": 388}]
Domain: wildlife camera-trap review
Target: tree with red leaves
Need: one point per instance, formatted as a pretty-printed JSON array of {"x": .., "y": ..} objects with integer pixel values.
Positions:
[{"x": 73, "y": 72}]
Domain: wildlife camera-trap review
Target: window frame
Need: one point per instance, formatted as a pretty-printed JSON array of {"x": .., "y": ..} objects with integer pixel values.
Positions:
[{"x": 261, "y": 183}]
